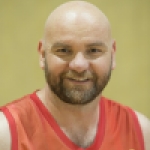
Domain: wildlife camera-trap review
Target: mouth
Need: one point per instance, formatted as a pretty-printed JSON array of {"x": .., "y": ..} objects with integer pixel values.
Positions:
[{"x": 78, "y": 80}]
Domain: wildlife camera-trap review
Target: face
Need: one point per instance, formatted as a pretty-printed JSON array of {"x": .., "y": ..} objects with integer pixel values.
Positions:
[
  {"x": 78, "y": 63},
  {"x": 74, "y": 87}
]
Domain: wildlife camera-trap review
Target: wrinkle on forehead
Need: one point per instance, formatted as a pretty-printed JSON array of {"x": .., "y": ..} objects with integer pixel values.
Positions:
[{"x": 76, "y": 16}]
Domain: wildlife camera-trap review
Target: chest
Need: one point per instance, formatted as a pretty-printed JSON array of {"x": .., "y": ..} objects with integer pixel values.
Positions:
[
  {"x": 118, "y": 130},
  {"x": 80, "y": 136}
]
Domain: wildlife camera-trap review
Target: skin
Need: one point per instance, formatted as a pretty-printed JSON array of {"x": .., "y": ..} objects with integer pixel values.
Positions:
[{"x": 77, "y": 25}]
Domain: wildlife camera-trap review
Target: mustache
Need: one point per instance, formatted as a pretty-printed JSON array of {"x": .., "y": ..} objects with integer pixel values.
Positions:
[{"x": 75, "y": 75}]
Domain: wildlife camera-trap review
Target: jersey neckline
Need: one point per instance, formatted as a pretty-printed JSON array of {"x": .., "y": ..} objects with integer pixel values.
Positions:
[{"x": 100, "y": 131}]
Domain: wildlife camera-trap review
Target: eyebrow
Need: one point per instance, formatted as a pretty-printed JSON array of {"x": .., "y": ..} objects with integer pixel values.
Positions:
[
  {"x": 96, "y": 44},
  {"x": 59, "y": 44}
]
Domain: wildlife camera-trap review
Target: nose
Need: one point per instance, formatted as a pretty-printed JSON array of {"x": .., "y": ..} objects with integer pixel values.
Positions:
[{"x": 79, "y": 63}]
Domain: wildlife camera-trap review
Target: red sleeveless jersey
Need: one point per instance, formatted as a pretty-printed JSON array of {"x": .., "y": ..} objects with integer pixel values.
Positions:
[{"x": 32, "y": 127}]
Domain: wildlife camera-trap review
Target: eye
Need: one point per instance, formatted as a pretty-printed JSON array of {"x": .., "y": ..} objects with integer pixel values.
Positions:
[
  {"x": 94, "y": 51},
  {"x": 63, "y": 50}
]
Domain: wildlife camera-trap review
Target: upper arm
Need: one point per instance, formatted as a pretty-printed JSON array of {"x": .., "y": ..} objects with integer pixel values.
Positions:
[
  {"x": 145, "y": 126},
  {"x": 5, "y": 138}
]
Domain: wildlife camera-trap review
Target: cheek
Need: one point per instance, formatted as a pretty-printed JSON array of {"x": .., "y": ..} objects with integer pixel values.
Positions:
[
  {"x": 101, "y": 65},
  {"x": 56, "y": 65}
]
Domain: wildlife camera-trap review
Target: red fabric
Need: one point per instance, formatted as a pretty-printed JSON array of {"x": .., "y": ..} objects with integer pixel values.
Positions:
[{"x": 33, "y": 127}]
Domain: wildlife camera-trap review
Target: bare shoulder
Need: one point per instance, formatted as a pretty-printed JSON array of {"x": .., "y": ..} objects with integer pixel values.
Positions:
[
  {"x": 145, "y": 126},
  {"x": 5, "y": 139}
]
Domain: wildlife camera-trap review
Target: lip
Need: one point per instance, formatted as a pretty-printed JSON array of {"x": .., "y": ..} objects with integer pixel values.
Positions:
[{"x": 78, "y": 81}]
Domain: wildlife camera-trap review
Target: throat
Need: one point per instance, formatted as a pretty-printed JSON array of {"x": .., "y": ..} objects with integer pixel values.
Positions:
[
  {"x": 81, "y": 137},
  {"x": 81, "y": 129}
]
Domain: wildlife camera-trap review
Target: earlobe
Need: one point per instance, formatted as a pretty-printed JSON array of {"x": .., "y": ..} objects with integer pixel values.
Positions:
[
  {"x": 42, "y": 63},
  {"x": 113, "y": 54},
  {"x": 113, "y": 64}
]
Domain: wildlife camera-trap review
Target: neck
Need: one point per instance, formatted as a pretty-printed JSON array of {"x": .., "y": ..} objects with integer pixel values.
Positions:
[
  {"x": 58, "y": 107},
  {"x": 74, "y": 120}
]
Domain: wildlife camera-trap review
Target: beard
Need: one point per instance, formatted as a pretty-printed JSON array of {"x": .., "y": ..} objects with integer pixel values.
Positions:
[{"x": 77, "y": 94}]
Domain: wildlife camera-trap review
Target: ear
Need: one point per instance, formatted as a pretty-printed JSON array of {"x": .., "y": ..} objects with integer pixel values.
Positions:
[
  {"x": 113, "y": 54},
  {"x": 41, "y": 52}
]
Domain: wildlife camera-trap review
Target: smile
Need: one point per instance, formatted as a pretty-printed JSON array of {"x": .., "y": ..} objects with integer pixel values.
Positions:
[{"x": 78, "y": 80}]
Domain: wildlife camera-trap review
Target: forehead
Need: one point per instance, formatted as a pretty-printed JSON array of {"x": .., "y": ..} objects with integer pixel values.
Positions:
[
  {"x": 74, "y": 27},
  {"x": 77, "y": 34}
]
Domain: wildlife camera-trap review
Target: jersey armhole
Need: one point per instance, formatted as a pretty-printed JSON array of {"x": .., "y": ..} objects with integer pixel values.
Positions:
[
  {"x": 12, "y": 127},
  {"x": 138, "y": 128}
]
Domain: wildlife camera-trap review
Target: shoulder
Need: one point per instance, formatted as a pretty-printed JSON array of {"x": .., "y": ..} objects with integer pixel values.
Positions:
[
  {"x": 5, "y": 138},
  {"x": 145, "y": 127}
]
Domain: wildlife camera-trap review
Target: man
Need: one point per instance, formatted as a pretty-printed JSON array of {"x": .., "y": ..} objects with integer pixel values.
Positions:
[{"x": 77, "y": 54}]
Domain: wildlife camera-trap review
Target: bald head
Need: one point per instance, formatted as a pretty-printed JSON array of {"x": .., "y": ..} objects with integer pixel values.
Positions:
[{"x": 78, "y": 17}]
